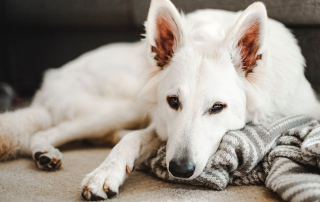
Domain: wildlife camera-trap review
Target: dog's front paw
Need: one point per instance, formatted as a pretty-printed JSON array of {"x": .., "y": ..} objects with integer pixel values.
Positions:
[
  {"x": 48, "y": 160},
  {"x": 103, "y": 183}
]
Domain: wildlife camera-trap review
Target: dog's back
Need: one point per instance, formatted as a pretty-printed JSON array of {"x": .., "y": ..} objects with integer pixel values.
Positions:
[{"x": 276, "y": 87}]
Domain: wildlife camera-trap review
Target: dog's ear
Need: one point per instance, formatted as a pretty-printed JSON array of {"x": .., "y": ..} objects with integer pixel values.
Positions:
[
  {"x": 248, "y": 38},
  {"x": 164, "y": 32}
]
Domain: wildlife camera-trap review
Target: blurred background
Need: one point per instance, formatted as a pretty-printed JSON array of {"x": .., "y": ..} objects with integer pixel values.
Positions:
[{"x": 40, "y": 34}]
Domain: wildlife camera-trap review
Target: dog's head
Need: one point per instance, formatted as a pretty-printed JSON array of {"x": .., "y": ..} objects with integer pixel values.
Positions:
[{"x": 197, "y": 88}]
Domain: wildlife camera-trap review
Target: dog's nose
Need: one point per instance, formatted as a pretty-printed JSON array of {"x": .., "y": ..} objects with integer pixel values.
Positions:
[{"x": 182, "y": 169}]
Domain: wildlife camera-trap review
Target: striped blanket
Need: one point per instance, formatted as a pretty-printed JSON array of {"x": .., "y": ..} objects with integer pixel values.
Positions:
[{"x": 283, "y": 154}]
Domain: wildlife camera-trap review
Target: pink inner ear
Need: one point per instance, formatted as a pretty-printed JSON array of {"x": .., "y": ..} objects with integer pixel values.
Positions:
[
  {"x": 164, "y": 41},
  {"x": 249, "y": 44}
]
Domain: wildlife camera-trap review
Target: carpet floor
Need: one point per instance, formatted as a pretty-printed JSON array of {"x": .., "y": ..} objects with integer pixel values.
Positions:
[{"x": 20, "y": 180}]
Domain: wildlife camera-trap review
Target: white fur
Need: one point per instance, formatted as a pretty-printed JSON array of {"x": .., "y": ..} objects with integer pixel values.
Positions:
[{"x": 96, "y": 94}]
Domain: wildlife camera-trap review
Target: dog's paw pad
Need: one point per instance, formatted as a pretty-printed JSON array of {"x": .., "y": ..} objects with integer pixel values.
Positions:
[
  {"x": 88, "y": 195},
  {"x": 44, "y": 160},
  {"x": 37, "y": 155},
  {"x": 108, "y": 191},
  {"x": 48, "y": 161}
]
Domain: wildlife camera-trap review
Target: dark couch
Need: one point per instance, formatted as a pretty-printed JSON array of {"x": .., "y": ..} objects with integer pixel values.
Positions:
[{"x": 38, "y": 34}]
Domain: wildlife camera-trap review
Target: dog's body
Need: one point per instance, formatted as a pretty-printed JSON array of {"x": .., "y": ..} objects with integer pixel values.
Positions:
[{"x": 243, "y": 65}]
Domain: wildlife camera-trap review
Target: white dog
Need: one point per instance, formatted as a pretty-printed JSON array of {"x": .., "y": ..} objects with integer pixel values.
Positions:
[{"x": 197, "y": 76}]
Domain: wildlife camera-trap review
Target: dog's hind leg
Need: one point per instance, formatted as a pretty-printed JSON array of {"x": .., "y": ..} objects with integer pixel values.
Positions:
[
  {"x": 104, "y": 181},
  {"x": 95, "y": 125},
  {"x": 16, "y": 128}
]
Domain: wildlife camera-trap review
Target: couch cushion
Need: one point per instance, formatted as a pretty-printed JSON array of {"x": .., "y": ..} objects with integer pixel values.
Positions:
[
  {"x": 290, "y": 12},
  {"x": 68, "y": 12},
  {"x": 309, "y": 41},
  {"x": 123, "y": 13},
  {"x": 31, "y": 51}
]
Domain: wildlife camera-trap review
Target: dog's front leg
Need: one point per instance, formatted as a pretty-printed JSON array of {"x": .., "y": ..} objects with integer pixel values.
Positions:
[{"x": 104, "y": 181}]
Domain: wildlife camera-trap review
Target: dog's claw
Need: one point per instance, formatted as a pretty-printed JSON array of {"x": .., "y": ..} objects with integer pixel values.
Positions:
[
  {"x": 106, "y": 188},
  {"x": 86, "y": 193},
  {"x": 128, "y": 169}
]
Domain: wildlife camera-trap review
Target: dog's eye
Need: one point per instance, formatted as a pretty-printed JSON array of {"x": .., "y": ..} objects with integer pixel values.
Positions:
[
  {"x": 216, "y": 108},
  {"x": 173, "y": 102}
]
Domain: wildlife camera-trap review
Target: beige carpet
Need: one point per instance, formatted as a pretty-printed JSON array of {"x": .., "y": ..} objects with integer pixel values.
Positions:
[{"x": 21, "y": 181}]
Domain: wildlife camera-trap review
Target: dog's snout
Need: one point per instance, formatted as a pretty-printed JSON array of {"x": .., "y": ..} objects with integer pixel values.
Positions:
[{"x": 182, "y": 169}]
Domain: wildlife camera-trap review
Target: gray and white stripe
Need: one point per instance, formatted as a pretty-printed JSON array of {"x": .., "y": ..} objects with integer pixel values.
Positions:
[{"x": 283, "y": 154}]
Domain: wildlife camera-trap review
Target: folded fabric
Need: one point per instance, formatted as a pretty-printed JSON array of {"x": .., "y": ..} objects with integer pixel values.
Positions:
[{"x": 283, "y": 154}]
